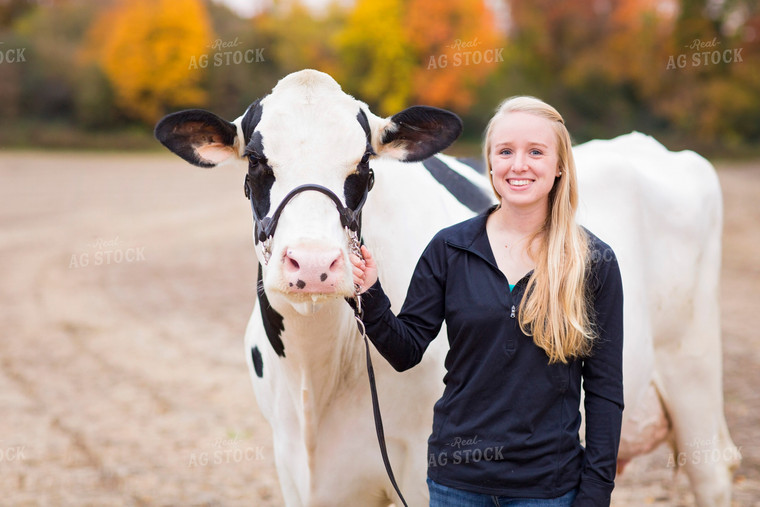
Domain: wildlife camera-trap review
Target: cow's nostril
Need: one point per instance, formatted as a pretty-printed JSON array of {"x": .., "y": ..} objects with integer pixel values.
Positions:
[
  {"x": 336, "y": 264},
  {"x": 290, "y": 263}
]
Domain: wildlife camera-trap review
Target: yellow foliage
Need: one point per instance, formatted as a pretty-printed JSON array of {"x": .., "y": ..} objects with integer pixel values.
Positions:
[
  {"x": 145, "y": 47},
  {"x": 401, "y": 51},
  {"x": 301, "y": 48},
  {"x": 378, "y": 61}
]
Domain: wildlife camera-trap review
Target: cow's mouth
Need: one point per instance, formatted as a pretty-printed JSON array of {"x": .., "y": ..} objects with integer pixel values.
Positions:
[{"x": 311, "y": 303}]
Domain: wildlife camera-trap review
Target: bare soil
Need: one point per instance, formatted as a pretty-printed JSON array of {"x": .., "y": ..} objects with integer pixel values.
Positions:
[{"x": 127, "y": 282}]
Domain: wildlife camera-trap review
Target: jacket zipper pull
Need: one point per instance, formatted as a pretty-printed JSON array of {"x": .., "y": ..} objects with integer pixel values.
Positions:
[{"x": 512, "y": 315}]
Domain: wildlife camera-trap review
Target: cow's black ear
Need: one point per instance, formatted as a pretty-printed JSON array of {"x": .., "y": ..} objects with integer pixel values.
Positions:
[
  {"x": 200, "y": 137},
  {"x": 419, "y": 132}
]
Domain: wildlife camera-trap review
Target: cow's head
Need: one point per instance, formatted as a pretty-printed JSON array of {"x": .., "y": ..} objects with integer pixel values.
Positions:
[{"x": 307, "y": 131}]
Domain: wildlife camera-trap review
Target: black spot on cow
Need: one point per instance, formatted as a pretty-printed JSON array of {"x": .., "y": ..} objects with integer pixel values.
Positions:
[
  {"x": 273, "y": 321},
  {"x": 361, "y": 117},
  {"x": 460, "y": 187},
  {"x": 251, "y": 119},
  {"x": 258, "y": 362},
  {"x": 300, "y": 284},
  {"x": 356, "y": 183},
  {"x": 323, "y": 277},
  {"x": 260, "y": 175}
]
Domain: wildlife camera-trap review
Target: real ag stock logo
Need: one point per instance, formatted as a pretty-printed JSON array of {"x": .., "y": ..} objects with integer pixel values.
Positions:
[
  {"x": 465, "y": 53},
  {"x": 13, "y": 55},
  {"x": 226, "y": 58},
  {"x": 103, "y": 252},
  {"x": 712, "y": 56}
]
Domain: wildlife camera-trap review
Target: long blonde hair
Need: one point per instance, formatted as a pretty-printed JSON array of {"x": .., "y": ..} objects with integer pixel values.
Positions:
[{"x": 555, "y": 309}]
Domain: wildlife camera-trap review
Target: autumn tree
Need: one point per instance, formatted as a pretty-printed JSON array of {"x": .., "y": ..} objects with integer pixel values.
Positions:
[
  {"x": 377, "y": 59},
  {"x": 714, "y": 100},
  {"x": 592, "y": 60},
  {"x": 51, "y": 75},
  {"x": 145, "y": 47},
  {"x": 400, "y": 51},
  {"x": 457, "y": 45},
  {"x": 307, "y": 47}
]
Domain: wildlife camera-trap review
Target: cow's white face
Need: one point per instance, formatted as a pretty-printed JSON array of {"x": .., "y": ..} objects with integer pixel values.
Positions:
[{"x": 307, "y": 131}]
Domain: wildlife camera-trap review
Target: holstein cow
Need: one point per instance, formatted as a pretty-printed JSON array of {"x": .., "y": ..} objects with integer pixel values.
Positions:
[{"x": 660, "y": 211}]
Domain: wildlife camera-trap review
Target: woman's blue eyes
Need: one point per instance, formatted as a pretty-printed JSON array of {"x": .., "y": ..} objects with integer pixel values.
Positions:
[{"x": 534, "y": 152}]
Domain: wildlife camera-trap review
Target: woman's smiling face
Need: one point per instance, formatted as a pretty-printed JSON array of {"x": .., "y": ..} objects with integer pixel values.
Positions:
[{"x": 524, "y": 159}]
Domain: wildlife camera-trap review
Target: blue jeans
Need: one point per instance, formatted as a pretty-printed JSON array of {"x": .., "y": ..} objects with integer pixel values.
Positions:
[{"x": 444, "y": 496}]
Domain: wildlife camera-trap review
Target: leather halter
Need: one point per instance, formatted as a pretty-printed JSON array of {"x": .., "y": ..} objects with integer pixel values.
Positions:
[{"x": 350, "y": 219}]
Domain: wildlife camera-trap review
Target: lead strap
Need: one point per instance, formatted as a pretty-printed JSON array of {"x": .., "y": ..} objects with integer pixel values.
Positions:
[{"x": 358, "y": 312}]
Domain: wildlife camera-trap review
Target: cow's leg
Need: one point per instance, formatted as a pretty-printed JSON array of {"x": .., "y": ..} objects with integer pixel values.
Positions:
[
  {"x": 411, "y": 476},
  {"x": 349, "y": 469},
  {"x": 693, "y": 397},
  {"x": 688, "y": 358}
]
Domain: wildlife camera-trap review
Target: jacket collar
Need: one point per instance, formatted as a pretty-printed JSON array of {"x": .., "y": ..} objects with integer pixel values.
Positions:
[{"x": 471, "y": 235}]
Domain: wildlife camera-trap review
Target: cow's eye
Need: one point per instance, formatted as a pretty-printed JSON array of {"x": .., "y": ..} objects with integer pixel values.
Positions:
[{"x": 253, "y": 160}]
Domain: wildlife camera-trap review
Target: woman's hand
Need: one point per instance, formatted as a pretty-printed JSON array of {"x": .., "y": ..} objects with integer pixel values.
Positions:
[{"x": 365, "y": 270}]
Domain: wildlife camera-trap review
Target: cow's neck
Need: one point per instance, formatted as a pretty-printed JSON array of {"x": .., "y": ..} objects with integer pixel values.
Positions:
[{"x": 324, "y": 356}]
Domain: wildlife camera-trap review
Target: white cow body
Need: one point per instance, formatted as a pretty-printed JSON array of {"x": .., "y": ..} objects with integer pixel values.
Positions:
[
  {"x": 660, "y": 211},
  {"x": 662, "y": 214}
]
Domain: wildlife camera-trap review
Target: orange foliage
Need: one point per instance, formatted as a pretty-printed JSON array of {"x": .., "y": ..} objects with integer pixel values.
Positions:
[
  {"x": 145, "y": 47},
  {"x": 458, "y": 45}
]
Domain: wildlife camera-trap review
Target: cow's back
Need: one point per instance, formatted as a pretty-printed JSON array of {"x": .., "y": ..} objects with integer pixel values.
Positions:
[{"x": 661, "y": 211}]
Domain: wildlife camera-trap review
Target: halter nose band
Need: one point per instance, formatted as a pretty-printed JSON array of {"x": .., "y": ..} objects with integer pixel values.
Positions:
[{"x": 349, "y": 219}]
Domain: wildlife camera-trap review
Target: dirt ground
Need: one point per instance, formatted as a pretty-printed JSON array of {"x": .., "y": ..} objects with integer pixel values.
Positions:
[{"x": 127, "y": 282}]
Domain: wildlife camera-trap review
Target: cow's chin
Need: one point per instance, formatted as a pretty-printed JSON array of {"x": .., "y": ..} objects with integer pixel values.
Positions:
[
  {"x": 309, "y": 304},
  {"x": 304, "y": 303}
]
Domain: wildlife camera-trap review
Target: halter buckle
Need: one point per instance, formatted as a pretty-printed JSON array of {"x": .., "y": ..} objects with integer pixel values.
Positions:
[{"x": 266, "y": 249}]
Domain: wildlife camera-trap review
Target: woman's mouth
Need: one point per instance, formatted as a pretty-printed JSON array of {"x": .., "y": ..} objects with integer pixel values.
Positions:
[{"x": 519, "y": 183}]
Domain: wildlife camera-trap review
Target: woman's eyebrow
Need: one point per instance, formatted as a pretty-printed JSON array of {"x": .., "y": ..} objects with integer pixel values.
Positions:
[{"x": 531, "y": 144}]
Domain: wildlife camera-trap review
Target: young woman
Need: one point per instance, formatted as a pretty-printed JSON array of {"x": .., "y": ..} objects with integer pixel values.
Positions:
[{"x": 533, "y": 304}]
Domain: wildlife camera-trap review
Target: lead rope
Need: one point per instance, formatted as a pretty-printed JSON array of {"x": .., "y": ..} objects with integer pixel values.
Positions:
[{"x": 358, "y": 315}]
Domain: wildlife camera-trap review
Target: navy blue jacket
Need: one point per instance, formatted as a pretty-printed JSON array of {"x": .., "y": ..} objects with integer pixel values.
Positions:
[{"x": 507, "y": 423}]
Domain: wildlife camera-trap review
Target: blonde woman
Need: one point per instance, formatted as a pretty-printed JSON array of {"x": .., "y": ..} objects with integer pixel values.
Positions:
[{"x": 533, "y": 305}]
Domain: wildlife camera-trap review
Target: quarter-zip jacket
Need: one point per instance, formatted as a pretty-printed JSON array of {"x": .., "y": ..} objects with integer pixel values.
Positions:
[{"x": 507, "y": 423}]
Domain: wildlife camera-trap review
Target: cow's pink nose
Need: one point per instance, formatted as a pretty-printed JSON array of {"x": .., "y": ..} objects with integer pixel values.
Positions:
[{"x": 312, "y": 269}]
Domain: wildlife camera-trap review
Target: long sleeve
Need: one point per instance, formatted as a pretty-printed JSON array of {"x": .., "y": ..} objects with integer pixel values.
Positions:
[
  {"x": 603, "y": 387},
  {"x": 402, "y": 340}
]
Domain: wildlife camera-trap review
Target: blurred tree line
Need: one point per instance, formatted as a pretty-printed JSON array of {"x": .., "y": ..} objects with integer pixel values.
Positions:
[{"x": 685, "y": 71}]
